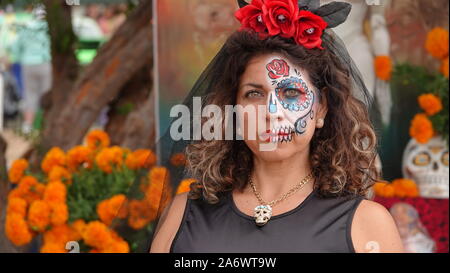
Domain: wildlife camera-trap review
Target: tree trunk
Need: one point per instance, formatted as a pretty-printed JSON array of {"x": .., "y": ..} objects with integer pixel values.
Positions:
[
  {"x": 131, "y": 117},
  {"x": 128, "y": 52},
  {"x": 64, "y": 67}
]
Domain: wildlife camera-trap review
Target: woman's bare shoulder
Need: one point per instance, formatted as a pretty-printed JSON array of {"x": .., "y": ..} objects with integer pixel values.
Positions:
[
  {"x": 169, "y": 224},
  {"x": 374, "y": 229}
]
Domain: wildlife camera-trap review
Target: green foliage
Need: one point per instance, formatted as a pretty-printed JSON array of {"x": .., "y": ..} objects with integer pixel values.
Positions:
[
  {"x": 91, "y": 186},
  {"x": 419, "y": 78},
  {"x": 125, "y": 108}
]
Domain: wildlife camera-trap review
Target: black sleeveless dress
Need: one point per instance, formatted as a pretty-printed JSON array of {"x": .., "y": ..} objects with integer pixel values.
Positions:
[{"x": 316, "y": 225}]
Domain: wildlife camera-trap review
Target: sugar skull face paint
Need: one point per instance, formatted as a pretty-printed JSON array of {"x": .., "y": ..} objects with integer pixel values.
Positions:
[
  {"x": 285, "y": 103},
  {"x": 290, "y": 97}
]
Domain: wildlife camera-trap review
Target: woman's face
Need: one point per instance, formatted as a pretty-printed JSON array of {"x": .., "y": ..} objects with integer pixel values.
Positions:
[{"x": 286, "y": 105}]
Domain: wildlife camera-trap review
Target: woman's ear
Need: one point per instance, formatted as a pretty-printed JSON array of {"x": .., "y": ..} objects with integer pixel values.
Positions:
[{"x": 322, "y": 108}]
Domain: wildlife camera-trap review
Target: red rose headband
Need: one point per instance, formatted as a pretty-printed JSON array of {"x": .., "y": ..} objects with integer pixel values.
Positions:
[{"x": 302, "y": 20}]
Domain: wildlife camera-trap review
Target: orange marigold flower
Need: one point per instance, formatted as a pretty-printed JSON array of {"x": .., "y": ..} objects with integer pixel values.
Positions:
[
  {"x": 156, "y": 185},
  {"x": 185, "y": 185},
  {"x": 61, "y": 174},
  {"x": 383, "y": 67},
  {"x": 117, "y": 205},
  {"x": 437, "y": 43},
  {"x": 55, "y": 193},
  {"x": 405, "y": 188},
  {"x": 378, "y": 188},
  {"x": 444, "y": 67},
  {"x": 141, "y": 158},
  {"x": 97, "y": 235},
  {"x": 17, "y": 205},
  {"x": 108, "y": 209},
  {"x": 137, "y": 222},
  {"x": 104, "y": 213},
  {"x": 117, "y": 245},
  {"x": 79, "y": 155},
  {"x": 158, "y": 175},
  {"x": 97, "y": 139},
  {"x": 389, "y": 190},
  {"x": 178, "y": 159},
  {"x": 17, "y": 170},
  {"x": 59, "y": 214},
  {"x": 54, "y": 157},
  {"x": 158, "y": 191},
  {"x": 39, "y": 215},
  {"x": 140, "y": 213},
  {"x": 30, "y": 189},
  {"x": 430, "y": 103},
  {"x": 78, "y": 226},
  {"x": 17, "y": 230},
  {"x": 53, "y": 247},
  {"x": 421, "y": 128},
  {"x": 60, "y": 234},
  {"x": 384, "y": 189},
  {"x": 14, "y": 193},
  {"x": 108, "y": 158}
]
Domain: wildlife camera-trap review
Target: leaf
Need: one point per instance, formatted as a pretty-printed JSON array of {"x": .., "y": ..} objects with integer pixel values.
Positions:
[
  {"x": 334, "y": 13},
  {"x": 242, "y": 3},
  {"x": 311, "y": 5}
]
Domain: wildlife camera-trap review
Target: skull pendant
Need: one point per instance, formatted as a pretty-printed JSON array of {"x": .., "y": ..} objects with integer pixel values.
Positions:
[{"x": 262, "y": 214}]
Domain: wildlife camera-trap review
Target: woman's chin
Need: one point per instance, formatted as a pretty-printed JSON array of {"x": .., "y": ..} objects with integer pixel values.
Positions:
[{"x": 275, "y": 151}]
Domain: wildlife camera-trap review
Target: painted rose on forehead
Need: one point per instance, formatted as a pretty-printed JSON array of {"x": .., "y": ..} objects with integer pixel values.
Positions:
[{"x": 278, "y": 68}]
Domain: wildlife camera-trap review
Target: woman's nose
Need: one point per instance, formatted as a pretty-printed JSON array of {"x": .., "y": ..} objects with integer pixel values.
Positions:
[{"x": 273, "y": 109}]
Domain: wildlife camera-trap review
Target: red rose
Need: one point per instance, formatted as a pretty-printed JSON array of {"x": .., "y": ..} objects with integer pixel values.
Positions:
[
  {"x": 277, "y": 69},
  {"x": 251, "y": 16},
  {"x": 309, "y": 30},
  {"x": 280, "y": 17}
]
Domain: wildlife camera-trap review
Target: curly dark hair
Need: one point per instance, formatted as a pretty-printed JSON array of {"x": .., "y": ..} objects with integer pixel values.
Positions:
[{"x": 342, "y": 153}]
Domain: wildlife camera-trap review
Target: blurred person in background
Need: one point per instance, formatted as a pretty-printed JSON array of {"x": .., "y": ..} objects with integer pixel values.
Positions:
[
  {"x": 112, "y": 18},
  {"x": 32, "y": 50},
  {"x": 94, "y": 11},
  {"x": 85, "y": 24}
]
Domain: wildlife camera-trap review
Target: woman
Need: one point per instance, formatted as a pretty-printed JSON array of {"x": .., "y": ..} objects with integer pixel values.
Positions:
[{"x": 301, "y": 184}]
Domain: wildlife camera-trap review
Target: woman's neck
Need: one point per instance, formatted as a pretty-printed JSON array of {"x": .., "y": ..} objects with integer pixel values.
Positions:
[{"x": 275, "y": 178}]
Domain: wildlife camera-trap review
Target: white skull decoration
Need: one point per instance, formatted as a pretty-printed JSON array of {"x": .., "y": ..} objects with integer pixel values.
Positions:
[
  {"x": 427, "y": 165},
  {"x": 262, "y": 214}
]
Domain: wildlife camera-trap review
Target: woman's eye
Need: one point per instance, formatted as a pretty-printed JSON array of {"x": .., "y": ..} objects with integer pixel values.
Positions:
[
  {"x": 253, "y": 94},
  {"x": 291, "y": 93}
]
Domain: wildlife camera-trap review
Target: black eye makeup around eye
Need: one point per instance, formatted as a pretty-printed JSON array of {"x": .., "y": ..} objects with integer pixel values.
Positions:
[{"x": 293, "y": 83}]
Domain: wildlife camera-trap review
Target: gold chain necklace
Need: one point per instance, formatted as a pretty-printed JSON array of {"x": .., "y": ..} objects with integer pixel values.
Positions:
[{"x": 263, "y": 212}]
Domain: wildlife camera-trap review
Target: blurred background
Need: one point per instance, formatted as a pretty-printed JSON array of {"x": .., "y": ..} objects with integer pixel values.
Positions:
[{"x": 86, "y": 88}]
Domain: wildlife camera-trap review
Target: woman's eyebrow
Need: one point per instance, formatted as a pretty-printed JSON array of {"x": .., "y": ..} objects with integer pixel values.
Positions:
[{"x": 255, "y": 85}]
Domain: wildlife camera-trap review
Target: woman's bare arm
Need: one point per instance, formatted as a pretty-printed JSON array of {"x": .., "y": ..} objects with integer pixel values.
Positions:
[{"x": 374, "y": 229}]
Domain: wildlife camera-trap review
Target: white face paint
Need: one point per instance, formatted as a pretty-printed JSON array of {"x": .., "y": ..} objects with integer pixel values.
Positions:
[
  {"x": 427, "y": 165},
  {"x": 291, "y": 98}
]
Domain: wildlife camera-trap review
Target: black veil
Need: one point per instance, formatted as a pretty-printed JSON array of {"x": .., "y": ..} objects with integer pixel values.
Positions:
[{"x": 140, "y": 239}]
